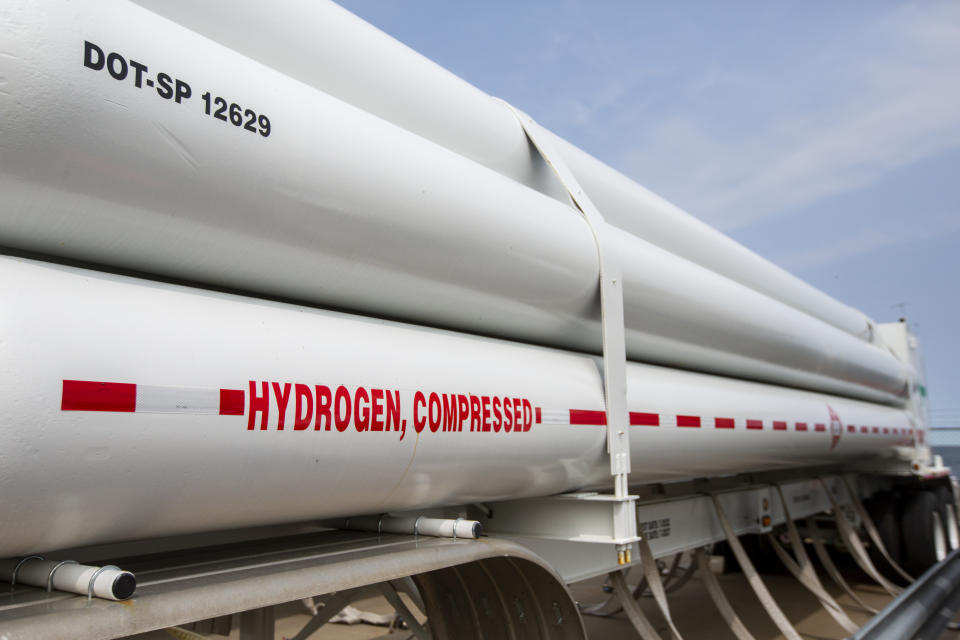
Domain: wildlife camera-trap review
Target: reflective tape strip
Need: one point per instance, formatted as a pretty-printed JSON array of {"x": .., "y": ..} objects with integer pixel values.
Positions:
[
  {"x": 152, "y": 399},
  {"x": 588, "y": 417},
  {"x": 233, "y": 402},
  {"x": 88, "y": 395},
  {"x": 555, "y": 416},
  {"x": 644, "y": 419},
  {"x": 84, "y": 395}
]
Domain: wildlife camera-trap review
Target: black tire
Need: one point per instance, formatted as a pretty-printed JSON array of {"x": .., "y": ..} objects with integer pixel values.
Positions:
[
  {"x": 947, "y": 513},
  {"x": 921, "y": 531},
  {"x": 883, "y": 509}
]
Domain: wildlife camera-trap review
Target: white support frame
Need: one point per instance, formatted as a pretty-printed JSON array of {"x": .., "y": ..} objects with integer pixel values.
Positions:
[
  {"x": 612, "y": 327},
  {"x": 565, "y": 529}
]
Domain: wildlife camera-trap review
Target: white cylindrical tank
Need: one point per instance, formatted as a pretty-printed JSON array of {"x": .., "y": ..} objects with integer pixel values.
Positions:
[
  {"x": 113, "y": 155},
  {"x": 134, "y": 409},
  {"x": 360, "y": 64}
]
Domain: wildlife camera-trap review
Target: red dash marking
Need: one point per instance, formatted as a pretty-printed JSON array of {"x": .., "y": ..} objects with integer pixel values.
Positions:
[
  {"x": 819, "y": 427},
  {"x": 232, "y": 402},
  {"x": 754, "y": 424},
  {"x": 644, "y": 419},
  {"x": 688, "y": 421},
  {"x": 864, "y": 429},
  {"x": 81, "y": 395},
  {"x": 539, "y": 416},
  {"x": 851, "y": 428},
  {"x": 886, "y": 430},
  {"x": 585, "y": 416},
  {"x": 779, "y": 425},
  {"x": 876, "y": 430},
  {"x": 723, "y": 423},
  {"x": 801, "y": 426}
]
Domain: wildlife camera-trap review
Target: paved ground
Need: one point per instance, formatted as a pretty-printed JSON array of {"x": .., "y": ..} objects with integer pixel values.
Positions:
[{"x": 693, "y": 611}]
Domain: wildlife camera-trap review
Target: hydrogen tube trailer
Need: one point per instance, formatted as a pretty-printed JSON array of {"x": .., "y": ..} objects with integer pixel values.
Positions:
[{"x": 282, "y": 321}]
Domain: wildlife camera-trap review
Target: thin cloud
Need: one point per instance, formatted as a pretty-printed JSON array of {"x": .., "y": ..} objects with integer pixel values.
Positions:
[
  {"x": 869, "y": 241},
  {"x": 890, "y": 98}
]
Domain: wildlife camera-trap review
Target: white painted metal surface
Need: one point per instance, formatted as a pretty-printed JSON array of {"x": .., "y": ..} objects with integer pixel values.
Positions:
[
  {"x": 339, "y": 208},
  {"x": 361, "y": 65},
  {"x": 555, "y": 527},
  {"x": 134, "y": 409},
  {"x": 896, "y": 336}
]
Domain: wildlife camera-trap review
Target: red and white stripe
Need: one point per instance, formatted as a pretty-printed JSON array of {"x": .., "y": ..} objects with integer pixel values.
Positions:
[{"x": 85, "y": 395}]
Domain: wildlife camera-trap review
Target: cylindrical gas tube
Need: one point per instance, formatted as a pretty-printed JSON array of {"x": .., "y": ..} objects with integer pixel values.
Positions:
[{"x": 134, "y": 409}]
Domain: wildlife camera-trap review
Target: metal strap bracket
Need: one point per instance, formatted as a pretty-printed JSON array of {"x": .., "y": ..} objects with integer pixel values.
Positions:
[
  {"x": 612, "y": 327},
  {"x": 53, "y": 570},
  {"x": 93, "y": 578},
  {"x": 652, "y": 573},
  {"x": 756, "y": 582},
  {"x": 332, "y": 606},
  {"x": 636, "y": 615},
  {"x": 803, "y": 570},
  {"x": 824, "y": 556},
  {"x": 720, "y": 598},
  {"x": 16, "y": 569},
  {"x": 855, "y": 545},
  {"x": 871, "y": 529}
]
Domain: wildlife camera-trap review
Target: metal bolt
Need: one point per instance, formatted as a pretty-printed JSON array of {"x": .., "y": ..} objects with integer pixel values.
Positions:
[
  {"x": 557, "y": 614},
  {"x": 520, "y": 614}
]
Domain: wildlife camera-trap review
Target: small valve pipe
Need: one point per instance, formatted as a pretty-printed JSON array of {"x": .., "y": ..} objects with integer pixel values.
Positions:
[
  {"x": 415, "y": 525},
  {"x": 110, "y": 583}
]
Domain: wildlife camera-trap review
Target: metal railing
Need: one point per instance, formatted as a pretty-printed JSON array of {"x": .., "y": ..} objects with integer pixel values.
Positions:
[{"x": 923, "y": 610}]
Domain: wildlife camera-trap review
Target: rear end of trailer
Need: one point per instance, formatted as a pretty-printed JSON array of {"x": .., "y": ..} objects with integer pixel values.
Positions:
[{"x": 289, "y": 311}]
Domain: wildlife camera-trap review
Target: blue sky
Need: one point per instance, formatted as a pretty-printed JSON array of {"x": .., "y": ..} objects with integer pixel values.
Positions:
[{"x": 824, "y": 136}]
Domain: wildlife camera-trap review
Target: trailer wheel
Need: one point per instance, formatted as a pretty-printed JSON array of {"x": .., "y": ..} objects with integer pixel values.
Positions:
[
  {"x": 499, "y": 597},
  {"x": 883, "y": 510},
  {"x": 948, "y": 515},
  {"x": 924, "y": 542}
]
